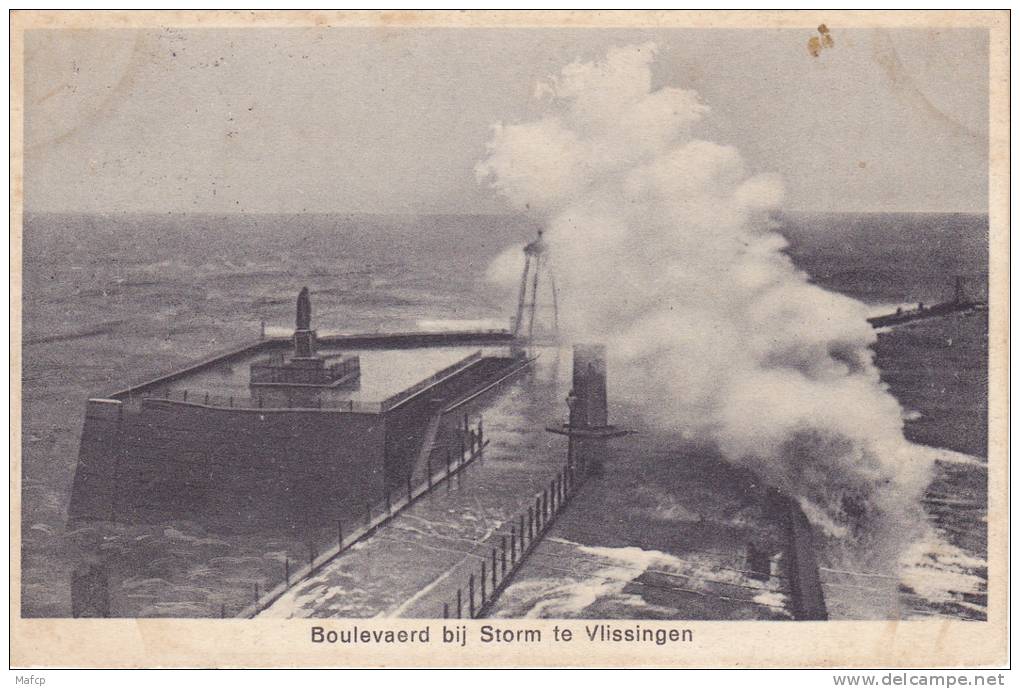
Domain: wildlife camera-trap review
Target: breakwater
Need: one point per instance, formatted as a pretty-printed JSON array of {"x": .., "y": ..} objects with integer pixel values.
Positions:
[
  {"x": 807, "y": 599},
  {"x": 243, "y": 457}
]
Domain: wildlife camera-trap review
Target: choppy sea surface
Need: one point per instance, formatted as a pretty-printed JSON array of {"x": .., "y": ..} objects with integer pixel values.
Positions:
[{"x": 116, "y": 298}]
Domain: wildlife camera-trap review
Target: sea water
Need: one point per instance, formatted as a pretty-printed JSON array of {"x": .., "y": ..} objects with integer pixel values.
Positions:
[{"x": 117, "y": 298}]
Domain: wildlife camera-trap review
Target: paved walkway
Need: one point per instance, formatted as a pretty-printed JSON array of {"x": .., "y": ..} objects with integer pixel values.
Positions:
[{"x": 416, "y": 561}]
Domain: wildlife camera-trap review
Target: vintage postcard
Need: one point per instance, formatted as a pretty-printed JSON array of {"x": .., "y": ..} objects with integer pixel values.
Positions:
[{"x": 509, "y": 339}]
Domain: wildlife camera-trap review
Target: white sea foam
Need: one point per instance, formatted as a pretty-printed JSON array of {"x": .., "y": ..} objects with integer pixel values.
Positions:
[
  {"x": 773, "y": 599},
  {"x": 822, "y": 520},
  {"x": 178, "y": 535},
  {"x": 450, "y": 324},
  {"x": 666, "y": 506},
  {"x": 304, "y": 599},
  {"x": 939, "y": 571},
  {"x": 665, "y": 250},
  {"x": 610, "y": 570},
  {"x": 939, "y": 454}
]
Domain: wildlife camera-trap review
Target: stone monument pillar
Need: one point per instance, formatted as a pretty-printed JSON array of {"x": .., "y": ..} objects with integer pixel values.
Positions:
[
  {"x": 296, "y": 378},
  {"x": 304, "y": 336}
]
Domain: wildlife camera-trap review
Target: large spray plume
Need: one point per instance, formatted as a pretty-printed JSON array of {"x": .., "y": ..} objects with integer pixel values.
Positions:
[{"x": 664, "y": 249}]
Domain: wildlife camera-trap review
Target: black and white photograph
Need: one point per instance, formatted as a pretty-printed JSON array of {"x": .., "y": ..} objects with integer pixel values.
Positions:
[{"x": 621, "y": 324}]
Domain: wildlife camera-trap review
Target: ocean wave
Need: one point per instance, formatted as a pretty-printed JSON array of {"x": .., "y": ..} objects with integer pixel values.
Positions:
[
  {"x": 936, "y": 555},
  {"x": 939, "y": 454},
  {"x": 613, "y": 570},
  {"x": 316, "y": 599},
  {"x": 178, "y": 535},
  {"x": 942, "y": 573},
  {"x": 175, "y": 609}
]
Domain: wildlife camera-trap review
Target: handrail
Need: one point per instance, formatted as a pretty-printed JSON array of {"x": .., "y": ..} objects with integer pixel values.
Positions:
[
  {"x": 268, "y": 372},
  {"x": 407, "y": 393},
  {"x": 256, "y": 404},
  {"x": 391, "y": 340},
  {"x": 276, "y": 403},
  {"x": 376, "y": 517}
]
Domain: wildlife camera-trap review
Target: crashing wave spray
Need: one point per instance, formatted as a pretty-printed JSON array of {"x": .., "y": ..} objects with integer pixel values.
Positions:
[{"x": 664, "y": 249}]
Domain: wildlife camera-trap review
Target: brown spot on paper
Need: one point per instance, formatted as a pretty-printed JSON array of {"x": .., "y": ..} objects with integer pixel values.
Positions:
[{"x": 820, "y": 42}]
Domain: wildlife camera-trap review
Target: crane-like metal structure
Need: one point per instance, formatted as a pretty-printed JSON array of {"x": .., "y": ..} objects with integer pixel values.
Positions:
[{"x": 536, "y": 263}]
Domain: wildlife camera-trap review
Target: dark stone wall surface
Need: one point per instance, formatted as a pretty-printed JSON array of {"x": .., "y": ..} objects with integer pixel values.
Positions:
[
  {"x": 406, "y": 424},
  {"x": 807, "y": 599},
  {"x": 235, "y": 468},
  {"x": 252, "y": 468}
]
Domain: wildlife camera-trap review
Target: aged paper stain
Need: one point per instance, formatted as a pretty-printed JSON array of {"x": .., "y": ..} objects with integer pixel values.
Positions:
[{"x": 823, "y": 40}]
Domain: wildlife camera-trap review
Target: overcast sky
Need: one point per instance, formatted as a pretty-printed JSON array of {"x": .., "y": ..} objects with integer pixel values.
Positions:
[{"x": 389, "y": 120}]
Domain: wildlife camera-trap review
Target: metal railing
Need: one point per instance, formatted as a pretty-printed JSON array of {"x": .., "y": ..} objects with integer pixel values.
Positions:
[
  {"x": 471, "y": 448},
  {"x": 403, "y": 395},
  {"x": 278, "y": 401},
  {"x": 273, "y": 373},
  {"x": 270, "y": 402},
  {"x": 525, "y": 532}
]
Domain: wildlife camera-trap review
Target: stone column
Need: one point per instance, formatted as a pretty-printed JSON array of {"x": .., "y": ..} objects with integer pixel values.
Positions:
[{"x": 590, "y": 410}]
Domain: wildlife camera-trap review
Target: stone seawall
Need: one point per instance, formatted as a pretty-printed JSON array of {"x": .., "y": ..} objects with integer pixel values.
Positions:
[
  {"x": 252, "y": 468},
  {"x": 237, "y": 468},
  {"x": 807, "y": 600}
]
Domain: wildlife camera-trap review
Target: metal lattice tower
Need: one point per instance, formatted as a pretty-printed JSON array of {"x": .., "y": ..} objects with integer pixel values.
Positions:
[{"x": 537, "y": 271}]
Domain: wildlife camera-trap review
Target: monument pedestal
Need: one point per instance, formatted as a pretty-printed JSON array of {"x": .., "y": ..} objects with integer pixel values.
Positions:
[
  {"x": 305, "y": 369},
  {"x": 304, "y": 344}
]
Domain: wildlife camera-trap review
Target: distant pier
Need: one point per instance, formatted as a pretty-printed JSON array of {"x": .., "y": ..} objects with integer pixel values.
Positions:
[{"x": 960, "y": 303}]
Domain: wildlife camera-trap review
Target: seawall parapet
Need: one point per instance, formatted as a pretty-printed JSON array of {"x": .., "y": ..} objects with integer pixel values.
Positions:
[{"x": 152, "y": 457}]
